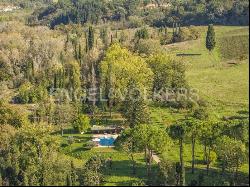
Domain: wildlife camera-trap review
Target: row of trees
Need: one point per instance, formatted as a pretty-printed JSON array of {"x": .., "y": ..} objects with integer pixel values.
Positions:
[{"x": 164, "y": 13}]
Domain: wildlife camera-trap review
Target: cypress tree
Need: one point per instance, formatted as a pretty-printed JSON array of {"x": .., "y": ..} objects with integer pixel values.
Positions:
[
  {"x": 55, "y": 80},
  {"x": 86, "y": 42},
  {"x": 104, "y": 36},
  {"x": 111, "y": 39},
  {"x": 210, "y": 40},
  {"x": 80, "y": 54},
  {"x": 91, "y": 38}
]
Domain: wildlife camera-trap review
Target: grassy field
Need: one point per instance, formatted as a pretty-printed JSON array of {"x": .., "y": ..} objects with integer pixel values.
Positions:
[
  {"x": 119, "y": 175},
  {"x": 223, "y": 85}
]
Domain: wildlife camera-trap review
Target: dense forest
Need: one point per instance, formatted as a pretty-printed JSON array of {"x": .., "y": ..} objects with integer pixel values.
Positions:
[
  {"x": 124, "y": 93},
  {"x": 155, "y": 13}
]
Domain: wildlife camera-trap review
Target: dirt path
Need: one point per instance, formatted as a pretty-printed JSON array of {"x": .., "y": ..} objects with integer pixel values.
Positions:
[{"x": 156, "y": 158}]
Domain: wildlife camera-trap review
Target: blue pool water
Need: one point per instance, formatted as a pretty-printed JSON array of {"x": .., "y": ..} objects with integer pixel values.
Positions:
[{"x": 107, "y": 142}]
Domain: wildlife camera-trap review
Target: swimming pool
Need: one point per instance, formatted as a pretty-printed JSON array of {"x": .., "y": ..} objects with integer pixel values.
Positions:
[{"x": 107, "y": 141}]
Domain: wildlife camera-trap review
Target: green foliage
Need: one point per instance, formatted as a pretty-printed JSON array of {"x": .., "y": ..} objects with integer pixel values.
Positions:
[
  {"x": 104, "y": 36},
  {"x": 73, "y": 75},
  {"x": 237, "y": 129},
  {"x": 186, "y": 34},
  {"x": 162, "y": 13},
  {"x": 234, "y": 47},
  {"x": 134, "y": 108},
  {"x": 81, "y": 124},
  {"x": 200, "y": 113},
  {"x": 126, "y": 142},
  {"x": 210, "y": 40},
  {"x": 12, "y": 116},
  {"x": 166, "y": 174},
  {"x": 91, "y": 38},
  {"x": 151, "y": 137},
  {"x": 142, "y": 34},
  {"x": 168, "y": 73},
  {"x": 232, "y": 153},
  {"x": 33, "y": 158},
  {"x": 118, "y": 69},
  {"x": 148, "y": 47},
  {"x": 92, "y": 172},
  {"x": 135, "y": 22}
]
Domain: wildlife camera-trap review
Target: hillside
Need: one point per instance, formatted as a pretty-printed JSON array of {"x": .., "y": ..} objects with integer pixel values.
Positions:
[
  {"x": 223, "y": 81},
  {"x": 154, "y": 13},
  {"x": 124, "y": 93}
]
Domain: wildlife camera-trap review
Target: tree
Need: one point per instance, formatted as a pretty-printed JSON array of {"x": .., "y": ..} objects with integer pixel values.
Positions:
[
  {"x": 210, "y": 39},
  {"x": 151, "y": 138},
  {"x": 134, "y": 108},
  {"x": 232, "y": 154},
  {"x": 237, "y": 129},
  {"x": 193, "y": 128},
  {"x": 12, "y": 116},
  {"x": 64, "y": 114},
  {"x": 168, "y": 73},
  {"x": 119, "y": 68},
  {"x": 92, "y": 172},
  {"x": 127, "y": 143},
  {"x": 210, "y": 131},
  {"x": 200, "y": 113},
  {"x": 104, "y": 37},
  {"x": 142, "y": 34},
  {"x": 91, "y": 38},
  {"x": 73, "y": 74},
  {"x": 33, "y": 158},
  {"x": 81, "y": 124},
  {"x": 73, "y": 174},
  {"x": 166, "y": 174},
  {"x": 177, "y": 132}
]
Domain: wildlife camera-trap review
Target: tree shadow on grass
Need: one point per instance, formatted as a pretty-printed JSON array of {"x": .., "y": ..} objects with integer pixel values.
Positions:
[
  {"x": 79, "y": 150},
  {"x": 124, "y": 168},
  {"x": 215, "y": 177},
  {"x": 243, "y": 112}
]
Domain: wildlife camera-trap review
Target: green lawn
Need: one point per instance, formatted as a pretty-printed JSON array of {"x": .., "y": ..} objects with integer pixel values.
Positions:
[
  {"x": 119, "y": 175},
  {"x": 225, "y": 87}
]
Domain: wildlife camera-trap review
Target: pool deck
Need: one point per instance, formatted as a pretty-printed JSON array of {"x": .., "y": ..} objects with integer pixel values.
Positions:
[{"x": 105, "y": 135}]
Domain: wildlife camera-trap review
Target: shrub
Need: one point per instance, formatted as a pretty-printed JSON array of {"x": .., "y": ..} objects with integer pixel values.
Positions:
[
  {"x": 81, "y": 124},
  {"x": 135, "y": 22},
  {"x": 30, "y": 94},
  {"x": 142, "y": 33},
  {"x": 148, "y": 47},
  {"x": 234, "y": 47}
]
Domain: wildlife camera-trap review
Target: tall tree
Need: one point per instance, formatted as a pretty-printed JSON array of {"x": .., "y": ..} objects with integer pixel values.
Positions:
[
  {"x": 177, "y": 132},
  {"x": 232, "y": 154},
  {"x": 193, "y": 131},
  {"x": 92, "y": 172},
  {"x": 91, "y": 38},
  {"x": 127, "y": 143},
  {"x": 134, "y": 108},
  {"x": 210, "y": 131},
  {"x": 210, "y": 39},
  {"x": 151, "y": 138}
]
